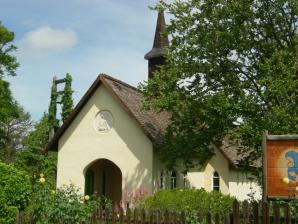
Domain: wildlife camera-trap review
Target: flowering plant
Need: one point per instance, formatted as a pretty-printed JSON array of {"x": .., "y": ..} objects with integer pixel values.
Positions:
[
  {"x": 63, "y": 205},
  {"x": 133, "y": 199}
]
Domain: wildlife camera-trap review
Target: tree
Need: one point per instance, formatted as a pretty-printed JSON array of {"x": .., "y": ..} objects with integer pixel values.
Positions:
[
  {"x": 8, "y": 109},
  {"x": 54, "y": 123},
  {"x": 14, "y": 129},
  {"x": 8, "y": 65},
  {"x": 231, "y": 70},
  {"x": 15, "y": 124},
  {"x": 67, "y": 101},
  {"x": 14, "y": 121},
  {"x": 8, "y": 62},
  {"x": 32, "y": 158}
]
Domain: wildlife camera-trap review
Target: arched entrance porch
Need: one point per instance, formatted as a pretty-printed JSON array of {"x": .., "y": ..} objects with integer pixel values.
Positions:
[{"x": 104, "y": 177}]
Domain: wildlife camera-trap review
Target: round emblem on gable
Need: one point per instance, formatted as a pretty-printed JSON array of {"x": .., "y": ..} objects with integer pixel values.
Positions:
[{"x": 103, "y": 121}]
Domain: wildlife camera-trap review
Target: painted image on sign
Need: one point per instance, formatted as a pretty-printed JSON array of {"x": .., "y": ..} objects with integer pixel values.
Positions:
[{"x": 292, "y": 157}]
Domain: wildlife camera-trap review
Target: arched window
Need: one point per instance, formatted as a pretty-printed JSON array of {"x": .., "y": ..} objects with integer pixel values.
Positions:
[
  {"x": 173, "y": 179},
  {"x": 162, "y": 180},
  {"x": 215, "y": 181}
]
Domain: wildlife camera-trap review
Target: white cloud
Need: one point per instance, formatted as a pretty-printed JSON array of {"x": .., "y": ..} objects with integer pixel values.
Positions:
[{"x": 46, "y": 40}]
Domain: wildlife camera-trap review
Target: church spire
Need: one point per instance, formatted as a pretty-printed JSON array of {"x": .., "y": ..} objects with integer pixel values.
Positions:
[{"x": 155, "y": 56}]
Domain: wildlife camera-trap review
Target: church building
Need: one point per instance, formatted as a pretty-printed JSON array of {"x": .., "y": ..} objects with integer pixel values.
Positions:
[{"x": 108, "y": 144}]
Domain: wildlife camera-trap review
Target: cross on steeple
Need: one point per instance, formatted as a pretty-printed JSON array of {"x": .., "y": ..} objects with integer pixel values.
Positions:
[{"x": 155, "y": 56}]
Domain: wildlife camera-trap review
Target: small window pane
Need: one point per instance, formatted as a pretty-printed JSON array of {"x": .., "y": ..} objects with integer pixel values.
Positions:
[
  {"x": 216, "y": 181},
  {"x": 173, "y": 180},
  {"x": 162, "y": 180}
]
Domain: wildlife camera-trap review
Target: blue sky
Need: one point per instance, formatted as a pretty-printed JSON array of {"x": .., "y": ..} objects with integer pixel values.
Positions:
[{"x": 82, "y": 37}]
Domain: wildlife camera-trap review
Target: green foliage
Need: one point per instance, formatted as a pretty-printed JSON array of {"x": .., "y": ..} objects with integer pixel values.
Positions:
[
  {"x": 8, "y": 110},
  {"x": 189, "y": 200},
  {"x": 15, "y": 124},
  {"x": 8, "y": 62},
  {"x": 67, "y": 101},
  {"x": 15, "y": 191},
  {"x": 231, "y": 70},
  {"x": 16, "y": 129},
  {"x": 32, "y": 158},
  {"x": 54, "y": 123},
  {"x": 64, "y": 205}
]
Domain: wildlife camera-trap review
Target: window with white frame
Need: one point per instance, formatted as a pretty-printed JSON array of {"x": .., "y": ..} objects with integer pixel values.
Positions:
[
  {"x": 173, "y": 179},
  {"x": 216, "y": 182},
  {"x": 162, "y": 180}
]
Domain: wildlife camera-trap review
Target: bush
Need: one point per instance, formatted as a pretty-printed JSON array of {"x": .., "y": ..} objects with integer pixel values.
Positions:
[
  {"x": 189, "y": 200},
  {"x": 64, "y": 205},
  {"x": 15, "y": 191}
]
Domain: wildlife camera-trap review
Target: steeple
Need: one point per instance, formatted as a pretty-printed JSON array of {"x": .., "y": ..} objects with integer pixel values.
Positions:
[{"x": 155, "y": 56}]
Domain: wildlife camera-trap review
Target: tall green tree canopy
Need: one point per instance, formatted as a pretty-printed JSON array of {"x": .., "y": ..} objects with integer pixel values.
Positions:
[
  {"x": 32, "y": 158},
  {"x": 231, "y": 70},
  {"x": 8, "y": 109},
  {"x": 8, "y": 62},
  {"x": 15, "y": 123}
]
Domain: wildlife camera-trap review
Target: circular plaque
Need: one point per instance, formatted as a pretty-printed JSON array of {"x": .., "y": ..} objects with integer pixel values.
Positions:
[{"x": 103, "y": 121}]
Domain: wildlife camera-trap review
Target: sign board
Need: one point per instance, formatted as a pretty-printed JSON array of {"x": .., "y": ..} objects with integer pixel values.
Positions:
[{"x": 280, "y": 165}]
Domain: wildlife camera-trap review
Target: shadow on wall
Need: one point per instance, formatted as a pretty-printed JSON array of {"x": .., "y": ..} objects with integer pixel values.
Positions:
[
  {"x": 137, "y": 187},
  {"x": 244, "y": 186}
]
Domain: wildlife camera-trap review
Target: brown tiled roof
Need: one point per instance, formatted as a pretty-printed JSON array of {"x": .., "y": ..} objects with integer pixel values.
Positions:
[
  {"x": 131, "y": 99},
  {"x": 230, "y": 149},
  {"x": 153, "y": 123}
]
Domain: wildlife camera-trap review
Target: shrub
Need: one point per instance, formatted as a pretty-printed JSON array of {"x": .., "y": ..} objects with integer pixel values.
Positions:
[
  {"x": 189, "y": 200},
  {"x": 64, "y": 205},
  {"x": 15, "y": 191}
]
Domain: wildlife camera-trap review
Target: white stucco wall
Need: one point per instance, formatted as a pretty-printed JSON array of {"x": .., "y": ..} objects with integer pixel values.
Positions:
[
  {"x": 219, "y": 164},
  {"x": 243, "y": 186},
  {"x": 196, "y": 179},
  {"x": 125, "y": 145}
]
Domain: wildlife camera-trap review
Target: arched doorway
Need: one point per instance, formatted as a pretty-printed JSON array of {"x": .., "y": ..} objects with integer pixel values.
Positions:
[{"x": 104, "y": 177}]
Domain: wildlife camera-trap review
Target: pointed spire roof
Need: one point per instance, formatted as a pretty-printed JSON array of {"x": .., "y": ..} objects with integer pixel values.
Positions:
[{"x": 160, "y": 41}]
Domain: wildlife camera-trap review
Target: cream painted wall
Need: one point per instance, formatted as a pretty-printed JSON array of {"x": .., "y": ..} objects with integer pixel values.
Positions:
[
  {"x": 197, "y": 177},
  {"x": 241, "y": 185},
  {"x": 125, "y": 145},
  {"x": 219, "y": 164}
]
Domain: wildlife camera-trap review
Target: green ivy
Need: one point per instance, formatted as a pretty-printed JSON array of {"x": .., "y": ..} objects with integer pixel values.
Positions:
[{"x": 67, "y": 101}]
